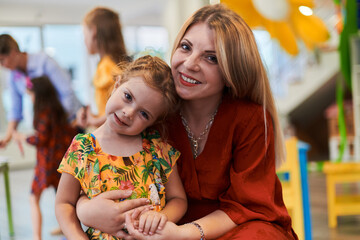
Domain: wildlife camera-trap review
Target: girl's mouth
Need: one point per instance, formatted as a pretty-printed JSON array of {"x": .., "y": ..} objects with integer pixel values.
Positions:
[{"x": 117, "y": 119}]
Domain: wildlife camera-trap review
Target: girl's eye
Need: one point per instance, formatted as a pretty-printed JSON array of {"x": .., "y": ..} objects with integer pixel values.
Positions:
[
  {"x": 128, "y": 97},
  {"x": 145, "y": 115},
  {"x": 185, "y": 46},
  {"x": 212, "y": 59}
]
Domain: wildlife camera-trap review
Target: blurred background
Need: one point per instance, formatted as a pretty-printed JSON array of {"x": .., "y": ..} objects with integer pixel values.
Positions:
[{"x": 304, "y": 78}]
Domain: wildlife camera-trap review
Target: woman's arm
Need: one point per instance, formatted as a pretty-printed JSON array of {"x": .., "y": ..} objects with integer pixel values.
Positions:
[
  {"x": 213, "y": 225},
  {"x": 106, "y": 214},
  {"x": 65, "y": 202}
]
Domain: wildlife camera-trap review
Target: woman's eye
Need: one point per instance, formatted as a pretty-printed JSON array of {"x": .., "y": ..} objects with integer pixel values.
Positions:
[
  {"x": 145, "y": 115},
  {"x": 212, "y": 59},
  {"x": 184, "y": 46},
  {"x": 128, "y": 97}
]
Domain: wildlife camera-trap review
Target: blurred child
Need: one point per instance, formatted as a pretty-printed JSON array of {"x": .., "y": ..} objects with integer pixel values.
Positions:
[
  {"x": 53, "y": 136},
  {"x": 103, "y": 36},
  {"x": 24, "y": 66},
  {"x": 125, "y": 154}
]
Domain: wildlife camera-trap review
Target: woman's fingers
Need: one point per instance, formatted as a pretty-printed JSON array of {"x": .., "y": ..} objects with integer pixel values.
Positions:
[
  {"x": 115, "y": 194},
  {"x": 131, "y": 204}
]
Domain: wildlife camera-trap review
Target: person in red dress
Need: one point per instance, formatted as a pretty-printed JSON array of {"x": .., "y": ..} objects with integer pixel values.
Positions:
[
  {"x": 52, "y": 138},
  {"x": 229, "y": 136}
]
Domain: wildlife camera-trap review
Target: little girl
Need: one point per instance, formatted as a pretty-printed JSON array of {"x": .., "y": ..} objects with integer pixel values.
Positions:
[
  {"x": 52, "y": 138},
  {"x": 125, "y": 154},
  {"x": 103, "y": 36}
]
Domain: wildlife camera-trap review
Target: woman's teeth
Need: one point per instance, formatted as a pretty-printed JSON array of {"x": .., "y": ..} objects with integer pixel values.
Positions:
[{"x": 189, "y": 80}]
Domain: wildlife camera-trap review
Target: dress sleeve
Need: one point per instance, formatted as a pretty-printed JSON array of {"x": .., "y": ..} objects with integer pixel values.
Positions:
[
  {"x": 80, "y": 162},
  {"x": 74, "y": 159},
  {"x": 164, "y": 157},
  {"x": 32, "y": 140},
  {"x": 254, "y": 189}
]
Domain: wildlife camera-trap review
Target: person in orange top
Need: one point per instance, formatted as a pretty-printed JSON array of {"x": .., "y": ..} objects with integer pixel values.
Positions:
[
  {"x": 103, "y": 36},
  {"x": 229, "y": 136}
]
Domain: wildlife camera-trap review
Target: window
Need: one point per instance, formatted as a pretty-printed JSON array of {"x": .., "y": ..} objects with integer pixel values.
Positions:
[{"x": 65, "y": 44}]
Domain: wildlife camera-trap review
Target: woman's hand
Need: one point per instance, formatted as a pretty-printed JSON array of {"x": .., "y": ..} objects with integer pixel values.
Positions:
[{"x": 103, "y": 213}]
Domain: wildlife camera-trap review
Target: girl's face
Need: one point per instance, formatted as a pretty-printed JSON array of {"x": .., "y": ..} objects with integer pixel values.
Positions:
[
  {"x": 133, "y": 106},
  {"x": 194, "y": 65},
  {"x": 90, "y": 39}
]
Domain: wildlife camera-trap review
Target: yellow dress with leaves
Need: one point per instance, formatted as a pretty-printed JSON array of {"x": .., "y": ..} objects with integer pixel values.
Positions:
[{"x": 145, "y": 172}]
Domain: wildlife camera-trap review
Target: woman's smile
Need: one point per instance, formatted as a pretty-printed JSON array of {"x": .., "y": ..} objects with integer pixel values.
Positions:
[{"x": 187, "y": 81}]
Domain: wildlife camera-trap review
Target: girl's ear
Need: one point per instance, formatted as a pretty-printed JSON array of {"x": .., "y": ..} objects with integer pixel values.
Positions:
[{"x": 117, "y": 82}]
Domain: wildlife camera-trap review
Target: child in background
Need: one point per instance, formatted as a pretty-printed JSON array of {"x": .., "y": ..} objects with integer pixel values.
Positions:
[
  {"x": 124, "y": 153},
  {"x": 52, "y": 138},
  {"x": 103, "y": 36}
]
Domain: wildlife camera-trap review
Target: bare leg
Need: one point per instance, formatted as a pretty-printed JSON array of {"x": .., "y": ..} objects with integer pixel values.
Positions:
[{"x": 36, "y": 216}]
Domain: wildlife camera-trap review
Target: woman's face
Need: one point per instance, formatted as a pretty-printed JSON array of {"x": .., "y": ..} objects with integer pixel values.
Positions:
[
  {"x": 89, "y": 38},
  {"x": 194, "y": 65}
]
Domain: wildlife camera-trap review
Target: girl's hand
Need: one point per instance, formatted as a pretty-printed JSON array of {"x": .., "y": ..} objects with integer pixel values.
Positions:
[
  {"x": 151, "y": 221},
  {"x": 169, "y": 231},
  {"x": 103, "y": 213},
  {"x": 81, "y": 117}
]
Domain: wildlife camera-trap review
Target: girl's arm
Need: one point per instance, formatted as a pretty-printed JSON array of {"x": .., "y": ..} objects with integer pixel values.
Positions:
[
  {"x": 66, "y": 197},
  {"x": 176, "y": 203}
]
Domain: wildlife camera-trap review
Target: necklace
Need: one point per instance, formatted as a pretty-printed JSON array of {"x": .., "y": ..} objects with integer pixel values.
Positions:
[{"x": 195, "y": 140}]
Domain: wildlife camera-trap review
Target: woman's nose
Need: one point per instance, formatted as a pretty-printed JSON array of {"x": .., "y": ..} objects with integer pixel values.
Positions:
[{"x": 192, "y": 62}]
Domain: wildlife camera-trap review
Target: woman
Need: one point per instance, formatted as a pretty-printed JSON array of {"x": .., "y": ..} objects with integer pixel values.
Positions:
[{"x": 228, "y": 134}]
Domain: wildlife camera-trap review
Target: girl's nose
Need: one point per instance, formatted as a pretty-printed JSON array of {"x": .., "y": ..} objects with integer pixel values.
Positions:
[
  {"x": 128, "y": 112},
  {"x": 192, "y": 62}
]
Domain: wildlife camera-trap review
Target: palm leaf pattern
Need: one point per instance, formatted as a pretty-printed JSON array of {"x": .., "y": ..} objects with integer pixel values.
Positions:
[{"x": 98, "y": 172}]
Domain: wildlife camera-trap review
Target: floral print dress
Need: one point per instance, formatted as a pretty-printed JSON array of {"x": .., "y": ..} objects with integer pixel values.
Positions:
[
  {"x": 145, "y": 172},
  {"x": 51, "y": 141}
]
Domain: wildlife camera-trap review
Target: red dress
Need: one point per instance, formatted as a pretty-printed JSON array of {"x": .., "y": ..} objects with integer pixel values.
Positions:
[
  {"x": 235, "y": 173},
  {"x": 51, "y": 142}
]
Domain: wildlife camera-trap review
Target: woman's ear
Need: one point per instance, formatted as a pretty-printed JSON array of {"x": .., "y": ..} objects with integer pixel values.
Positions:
[{"x": 226, "y": 83}]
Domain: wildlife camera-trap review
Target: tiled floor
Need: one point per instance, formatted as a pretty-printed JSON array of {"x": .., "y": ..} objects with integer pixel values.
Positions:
[{"x": 348, "y": 227}]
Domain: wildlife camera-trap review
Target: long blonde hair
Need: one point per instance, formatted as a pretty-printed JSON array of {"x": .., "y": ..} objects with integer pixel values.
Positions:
[
  {"x": 108, "y": 32},
  {"x": 239, "y": 61}
]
